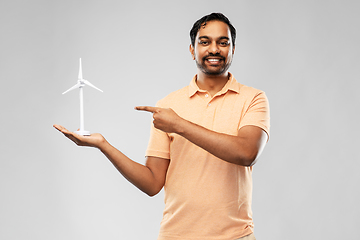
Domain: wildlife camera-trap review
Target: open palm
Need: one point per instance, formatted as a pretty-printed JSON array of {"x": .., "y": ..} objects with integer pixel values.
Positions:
[{"x": 94, "y": 140}]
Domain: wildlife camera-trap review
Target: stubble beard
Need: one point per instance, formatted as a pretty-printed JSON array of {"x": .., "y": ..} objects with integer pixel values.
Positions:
[{"x": 202, "y": 66}]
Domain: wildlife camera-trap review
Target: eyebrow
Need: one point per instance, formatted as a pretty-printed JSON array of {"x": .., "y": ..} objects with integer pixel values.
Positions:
[{"x": 221, "y": 38}]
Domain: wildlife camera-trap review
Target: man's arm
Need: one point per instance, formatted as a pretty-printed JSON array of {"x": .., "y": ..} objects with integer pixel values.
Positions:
[
  {"x": 242, "y": 149},
  {"x": 149, "y": 178}
]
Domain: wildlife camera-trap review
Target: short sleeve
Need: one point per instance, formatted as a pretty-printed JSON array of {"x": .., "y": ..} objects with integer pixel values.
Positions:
[
  {"x": 257, "y": 113},
  {"x": 159, "y": 143}
]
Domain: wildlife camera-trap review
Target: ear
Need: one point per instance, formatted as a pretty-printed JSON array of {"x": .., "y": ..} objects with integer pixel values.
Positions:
[
  {"x": 191, "y": 49},
  {"x": 233, "y": 50}
]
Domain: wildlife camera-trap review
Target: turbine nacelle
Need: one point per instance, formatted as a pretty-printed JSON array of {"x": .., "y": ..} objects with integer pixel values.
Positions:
[{"x": 81, "y": 82}]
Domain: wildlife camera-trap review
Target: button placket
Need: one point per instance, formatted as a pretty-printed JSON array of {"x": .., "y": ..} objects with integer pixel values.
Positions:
[
  {"x": 207, "y": 98},
  {"x": 209, "y": 102}
]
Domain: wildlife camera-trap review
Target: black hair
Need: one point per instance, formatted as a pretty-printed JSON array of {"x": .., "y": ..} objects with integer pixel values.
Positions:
[{"x": 211, "y": 17}]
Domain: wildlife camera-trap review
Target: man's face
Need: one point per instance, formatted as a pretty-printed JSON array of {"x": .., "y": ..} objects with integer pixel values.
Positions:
[{"x": 213, "y": 49}]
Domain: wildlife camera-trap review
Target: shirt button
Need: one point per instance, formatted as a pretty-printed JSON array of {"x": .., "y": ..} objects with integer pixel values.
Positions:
[{"x": 206, "y": 95}]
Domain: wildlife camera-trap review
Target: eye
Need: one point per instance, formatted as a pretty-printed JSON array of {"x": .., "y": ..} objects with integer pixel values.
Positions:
[
  {"x": 202, "y": 42},
  {"x": 224, "y": 44}
]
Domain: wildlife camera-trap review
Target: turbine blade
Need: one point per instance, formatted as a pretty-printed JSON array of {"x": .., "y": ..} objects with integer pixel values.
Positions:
[
  {"x": 91, "y": 85},
  {"x": 80, "y": 70},
  {"x": 72, "y": 88}
]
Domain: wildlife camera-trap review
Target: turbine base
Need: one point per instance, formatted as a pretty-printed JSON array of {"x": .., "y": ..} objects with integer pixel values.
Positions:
[{"x": 83, "y": 133}]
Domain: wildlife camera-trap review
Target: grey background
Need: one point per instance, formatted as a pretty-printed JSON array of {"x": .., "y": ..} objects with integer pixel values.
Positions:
[{"x": 304, "y": 54}]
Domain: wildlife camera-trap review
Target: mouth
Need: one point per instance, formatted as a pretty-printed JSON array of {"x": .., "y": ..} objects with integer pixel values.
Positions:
[{"x": 213, "y": 60}]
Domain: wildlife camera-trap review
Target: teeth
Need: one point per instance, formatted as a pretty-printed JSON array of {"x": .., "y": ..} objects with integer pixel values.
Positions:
[{"x": 213, "y": 60}]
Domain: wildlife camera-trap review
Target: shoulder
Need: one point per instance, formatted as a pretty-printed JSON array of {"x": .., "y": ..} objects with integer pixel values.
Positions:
[
  {"x": 250, "y": 93},
  {"x": 244, "y": 91},
  {"x": 248, "y": 90},
  {"x": 174, "y": 97}
]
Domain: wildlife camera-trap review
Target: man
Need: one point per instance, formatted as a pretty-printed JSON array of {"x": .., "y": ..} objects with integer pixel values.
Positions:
[{"x": 204, "y": 141}]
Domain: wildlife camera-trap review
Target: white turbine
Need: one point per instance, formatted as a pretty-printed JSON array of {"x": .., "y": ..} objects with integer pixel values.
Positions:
[{"x": 80, "y": 84}]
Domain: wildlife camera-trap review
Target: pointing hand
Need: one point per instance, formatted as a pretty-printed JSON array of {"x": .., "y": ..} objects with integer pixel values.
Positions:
[{"x": 165, "y": 119}]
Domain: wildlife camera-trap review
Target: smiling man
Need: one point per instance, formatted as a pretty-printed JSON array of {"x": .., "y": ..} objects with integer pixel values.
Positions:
[
  {"x": 213, "y": 38},
  {"x": 204, "y": 141}
]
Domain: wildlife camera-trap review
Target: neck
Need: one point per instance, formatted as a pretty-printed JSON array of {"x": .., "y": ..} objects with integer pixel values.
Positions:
[{"x": 211, "y": 83}]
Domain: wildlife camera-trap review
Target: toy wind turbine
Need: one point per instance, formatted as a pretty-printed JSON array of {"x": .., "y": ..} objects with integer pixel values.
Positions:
[{"x": 80, "y": 84}]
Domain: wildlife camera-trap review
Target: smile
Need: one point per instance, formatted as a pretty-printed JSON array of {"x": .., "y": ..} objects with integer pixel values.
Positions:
[{"x": 213, "y": 60}]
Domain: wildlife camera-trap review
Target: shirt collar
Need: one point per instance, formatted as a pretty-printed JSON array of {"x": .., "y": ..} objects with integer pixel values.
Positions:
[{"x": 231, "y": 85}]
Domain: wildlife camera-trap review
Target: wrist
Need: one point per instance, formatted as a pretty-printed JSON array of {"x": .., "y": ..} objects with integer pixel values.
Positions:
[
  {"x": 103, "y": 145},
  {"x": 181, "y": 126}
]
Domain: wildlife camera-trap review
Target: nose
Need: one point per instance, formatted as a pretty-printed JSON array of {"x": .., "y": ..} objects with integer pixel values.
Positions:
[{"x": 214, "y": 48}]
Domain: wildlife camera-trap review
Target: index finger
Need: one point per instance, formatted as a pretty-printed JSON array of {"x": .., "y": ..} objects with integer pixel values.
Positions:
[{"x": 147, "y": 108}]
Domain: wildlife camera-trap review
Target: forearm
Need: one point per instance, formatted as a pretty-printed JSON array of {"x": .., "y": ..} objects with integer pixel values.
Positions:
[
  {"x": 242, "y": 149},
  {"x": 233, "y": 149},
  {"x": 149, "y": 179},
  {"x": 139, "y": 175}
]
